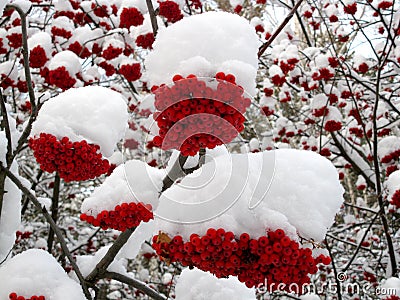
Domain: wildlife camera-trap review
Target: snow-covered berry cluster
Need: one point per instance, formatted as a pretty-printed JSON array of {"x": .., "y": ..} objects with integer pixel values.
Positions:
[
  {"x": 123, "y": 216},
  {"x": 74, "y": 161},
  {"x": 145, "y": 40},
  {"x": 191, "y": 115},
  {"x": 14, "y": 296},
  {"x": 170, "y": 10},
  {"x": 273, "y": 258}
]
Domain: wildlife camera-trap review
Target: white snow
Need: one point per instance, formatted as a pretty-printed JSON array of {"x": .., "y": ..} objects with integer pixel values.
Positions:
[
  {"x": 393, "y": 183},
  {"x": 67, "y": 59},
  {"x": 198, "y": 285},
  {"x": 11, "y": 211},
  {"x": 87, "y": 263},
  {"x": 310, "y": 297},
  {"x": 134, "y": 181},
  {"x": 36, "y": 272},
  {"x": 96, "y": 114},
  {"x": 42, "y": 39},
  {"x": 390, "y": 286},
  {"x": 203, "y": 45},
  {"x": 9, "y": 69},
  {"x": 388, "y": 145},
  {"x": 133, "y": 246},
  {"x": 295, "y": 190},
  {"x": 3, "y": 4}
]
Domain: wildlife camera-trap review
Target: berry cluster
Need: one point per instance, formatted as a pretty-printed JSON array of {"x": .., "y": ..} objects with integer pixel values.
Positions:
[
  {"x": 192, "y": 115},
  {"x": 395, "y": 201},
  {"x": 123, "y": 216},
  {"x": 111, "y": 52},
  {"x": 37, "y": 57},
  {"x": 14, "y": 296},
  {"x": 130, "y": 16},
  {"x": 332, "y": 125},
  {"x": 170, "y": 10},
  {"x": 131, "y": 72},
  {"x": 390, "y": 157},
  {"x": 274, "y": 258},
  {"x": 74, "y": 161},
  {"x": 145, "y": 40},
  {"x": 61, "y": 78}
]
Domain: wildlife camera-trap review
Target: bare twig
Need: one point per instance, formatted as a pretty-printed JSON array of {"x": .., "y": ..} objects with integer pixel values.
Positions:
[
  {"x": 54, "y": 210},
  {"x": 279, "y": 29},
  {"x": 382, "y": 215},
  {"x": 6, "y": 126},
  {"x": 25, "y": 53},
  {"x": 335, "y": 272}
]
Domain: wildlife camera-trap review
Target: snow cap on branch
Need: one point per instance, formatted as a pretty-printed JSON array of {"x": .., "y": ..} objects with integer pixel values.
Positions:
[
  {"x": 36, "y": 272},
  {"x": 204, "y": 45},
  {"x": 95, "y": 114},
  {"x": 297, "y": 191}
]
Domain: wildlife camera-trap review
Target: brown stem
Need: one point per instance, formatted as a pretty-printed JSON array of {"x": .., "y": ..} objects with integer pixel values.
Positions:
[
  {"x": 153, "y": 17},
  {"x": 25, "y": 53},
  {"x": 6, "y": 125},
  {"x": 103, "y": 264},
  {"x": 175, "y": 173},
  {"x": 382, "y": 214},
  {"x": 54, "y": 210},
  {"x": 280, "y": 28}
]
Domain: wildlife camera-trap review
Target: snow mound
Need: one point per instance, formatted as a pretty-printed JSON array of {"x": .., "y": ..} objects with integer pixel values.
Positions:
[
  {"x": 297, "y": 191},
  {"x": 198, "y": 285},
  {"x": 392, "y": 286},
  {"x": 134, "y": 181},
  {"x": 36, "y": 272},
  {"x": 95, "y": 114},
  {"x": 203, "y": 45}
]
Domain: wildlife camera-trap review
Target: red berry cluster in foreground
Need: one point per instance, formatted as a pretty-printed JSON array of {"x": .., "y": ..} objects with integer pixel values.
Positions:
[
  {"x": 74, "y": 161},
  {"x": 123, "y": 216},
  {"x": 14, "y": 296},
  {"x": 274, "y": 258},
  {"x": 192, "y": 115}
]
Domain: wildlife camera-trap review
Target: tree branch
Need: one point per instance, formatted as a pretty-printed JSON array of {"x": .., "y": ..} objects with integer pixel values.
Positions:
[
  {"x": 54, "y": 210},
  {"x": 175, "y": 173},
  {"x": 153, "y": 17},
  {"x": 136, "y": 284},
  {"x": 53, "y": 225},
  {"x": 25, "y": 53},
  {"x": 279, "y": 29},
  {"x": 108, "y": 258}
]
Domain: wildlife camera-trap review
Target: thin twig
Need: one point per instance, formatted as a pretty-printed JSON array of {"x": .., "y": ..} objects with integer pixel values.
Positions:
[
  {"x": 54, "y": 210},
  {"x": 25, "y": 53},
  {"x": 6, "y": 125},
  {"x": 335, "y": 272},
  {"x": 279, "y": 29}
]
